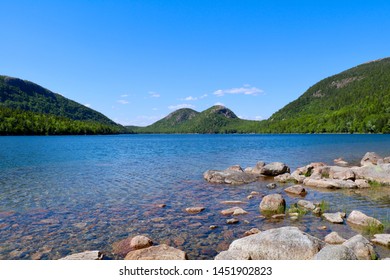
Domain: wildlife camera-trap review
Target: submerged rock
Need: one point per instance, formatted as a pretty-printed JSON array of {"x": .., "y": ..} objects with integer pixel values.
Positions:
[
  {"x": 194, "y": 210},
  {"x": 124, "y": 246},
  {"x": 286, "y": 243}
]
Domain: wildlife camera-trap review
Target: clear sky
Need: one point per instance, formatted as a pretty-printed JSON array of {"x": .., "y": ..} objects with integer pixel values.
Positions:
[{"x": 136, "y": 61}]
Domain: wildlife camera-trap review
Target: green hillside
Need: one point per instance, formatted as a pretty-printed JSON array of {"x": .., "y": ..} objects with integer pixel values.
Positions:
[
  {"x": 354, "y": 101},
  {"x": 29, "y": 109},
  {"x": 217, "y": 119}
]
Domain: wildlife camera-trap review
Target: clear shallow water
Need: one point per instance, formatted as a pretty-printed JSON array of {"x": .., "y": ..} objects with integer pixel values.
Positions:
[{"x": 61, "y": 195}]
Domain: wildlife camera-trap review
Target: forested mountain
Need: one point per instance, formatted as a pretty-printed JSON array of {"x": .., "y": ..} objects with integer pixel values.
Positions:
[
  {"x": 217, "y": 119},
  {"x": 354, "y": 101},
  {"x": 29, "y": 109}
]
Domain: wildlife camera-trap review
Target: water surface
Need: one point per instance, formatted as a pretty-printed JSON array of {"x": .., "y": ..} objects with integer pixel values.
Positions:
[{"x": 62, "y": 195}]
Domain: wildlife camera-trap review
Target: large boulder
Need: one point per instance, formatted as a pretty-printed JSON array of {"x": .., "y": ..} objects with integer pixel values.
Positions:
[
  {"x": 275, "y": 168},
  {"x": 379, "y": 173},
  {"x": 285, "y": 243},
  {"x": 362, "y": 248},
  {"x": 370, "y": 158},
  {"x": 359, "y": 219},
  {"x": 232, "y": 175},
  {"x": 330, "y": 183},
  {"x": 160, "y": 252},
  {"x": 335, "y": 252},
  {"x": 274, "y": 203}
]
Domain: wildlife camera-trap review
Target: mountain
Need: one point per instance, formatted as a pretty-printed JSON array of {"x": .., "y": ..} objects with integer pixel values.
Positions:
[
  {"x": 27, "y": 108},
  {"x": 217, "y": 119},
  {"x": 354, "y": 101}
]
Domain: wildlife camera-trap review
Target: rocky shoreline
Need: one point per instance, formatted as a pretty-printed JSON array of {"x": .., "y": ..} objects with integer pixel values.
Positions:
[{"x": 287, "y": 242}]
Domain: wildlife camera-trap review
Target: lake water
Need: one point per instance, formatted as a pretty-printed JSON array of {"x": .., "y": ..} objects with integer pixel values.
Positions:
[{"x": 63, "y": 195}]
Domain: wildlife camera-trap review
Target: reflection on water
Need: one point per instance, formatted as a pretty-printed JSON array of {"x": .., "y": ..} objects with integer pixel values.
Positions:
[{"x": 62, "y": 195}]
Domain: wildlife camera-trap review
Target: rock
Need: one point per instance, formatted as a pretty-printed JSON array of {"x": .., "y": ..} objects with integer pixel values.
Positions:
[
  {"x": 306, "y": 204},
  {"x": 194, "y": 210},
  {"x": 273, "y": 203},
  {"x": 379, "y": 173},
  {"x": 382, "y": 239},
  {"x": 362, "y": 247},
  {"x": 370, "y": 158},
  {"x": 162, "y": 205},
  {"x": 232, "y": 255},
  {"x": 213, "y": 227},
  {"x": 317, "y": 211},
  {"x": 87, "y": 255},
  {"x": 239, "y": 211},
  {"x": 233, "y": 202},
  {"x": 334, "y": 238},
  {"x": 340, "y": 162},
  {"x": 330, "y": 183},
  {"x": 278, "y": 244},
  {"x": 252, "y": 231},
  {"x": 257, "y": 169},
  {"x": 229, "y": 211},
  {"x": 232, "y": 221},
  {"x": 341, "y": 173},
  {"x": 299, "y": 178},
  {"x": 278, "y": 216},
  {"x": 274, "y": 169},
  {"x": 272, "y": 186},
  {"x": 284, "y": 178},
  {"x": 296, "y": 190},
  {"x": 336, "y": 218},
  {"x": 160, "y": 252},
  {"x": 235, "y": 168},
  {"x": 360, "y": 219},
  {"x": 335, "y": 252},
  {"x": 230, "y": 176},
  {"x": 123, "y": 247},
  {"x": 362, "y": 183},
  {"x": 322, "y": 227}
]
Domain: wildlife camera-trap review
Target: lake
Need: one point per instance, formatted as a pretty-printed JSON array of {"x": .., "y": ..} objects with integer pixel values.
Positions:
[{"x": 63, "y": 195}]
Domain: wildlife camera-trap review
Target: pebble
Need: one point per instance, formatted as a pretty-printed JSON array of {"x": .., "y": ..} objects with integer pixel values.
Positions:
[{"x": 232, "y": 221}]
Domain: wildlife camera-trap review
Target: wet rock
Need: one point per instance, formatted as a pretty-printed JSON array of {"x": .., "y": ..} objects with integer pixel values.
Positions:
[
  {"x": 232, "y": 202},
  {"x": 382, "y": 239},
  {"x": 362, "y": 248},
  {"x": 296, "y": 190},
  {"x": 334, "y": 238},
  {"x": 322, "y": 227},
  {"x": 232, "y": 176},
  {"x": 232, "y": 221},
  {"x": 273, "y": 203},
  {"x": 278, "y": 216},
  {"x": 160, "y": 252},
  {"x": 278, "y": 244},
  {"x": 124, "y": 246},
  {"x": 335, "y": 252},
  {"x": 239, "y": 211},
  {"x": 360, "y": 219},
  {"x": 252, "y": 231},
  {"x": 232, "y": 255},
  {"x": 162, "y": 205},
  {"x": 275, "y": 168},
  {"x": 306, "y": 204},
  {"x": 212, "y": 227},
  {"x": 194, "y": 210},
  {"x": 336, "y": 218},
  {"x": 87, "y": 255},
  {"x": 370, "y": 158},
  {"x": 230, "y": 211}
]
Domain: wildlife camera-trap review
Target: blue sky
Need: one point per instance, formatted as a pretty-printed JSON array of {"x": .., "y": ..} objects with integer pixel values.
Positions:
[{"x": 137, "y": 61}]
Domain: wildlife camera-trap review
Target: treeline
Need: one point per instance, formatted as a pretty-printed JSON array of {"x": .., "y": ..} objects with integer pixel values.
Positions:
[{"x": 19, "y": 122}]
